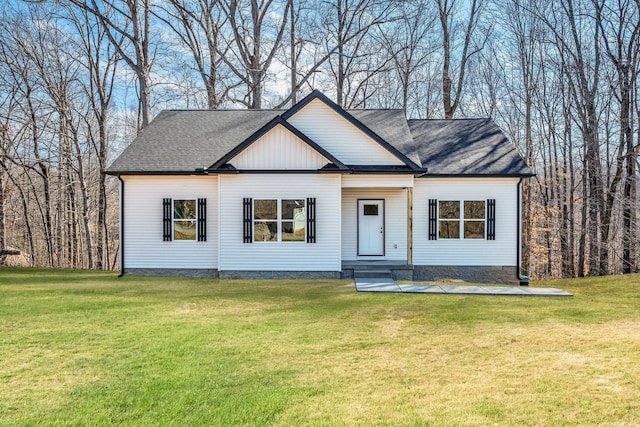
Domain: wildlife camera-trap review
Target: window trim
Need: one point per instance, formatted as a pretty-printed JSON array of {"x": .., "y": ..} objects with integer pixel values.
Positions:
[
  {"x": 461, "y": 219},
  {"x": 279, "y": 220}
]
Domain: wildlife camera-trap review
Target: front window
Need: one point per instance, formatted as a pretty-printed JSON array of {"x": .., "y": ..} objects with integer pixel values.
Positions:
[
  {"x": 293, "y": 220},
  {"x": 448, "y": 219},
  {"x": 184, "y": 219},
  {"x": 474, "y": 218},
  {"x": 466, "y": 219},
  {"x": 279, "y": 220}
]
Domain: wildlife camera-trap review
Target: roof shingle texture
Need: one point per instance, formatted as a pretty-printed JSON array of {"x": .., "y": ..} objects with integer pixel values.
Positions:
[
  {"x": 466, "y": 147},
  {"x": 181, "y": 141}
]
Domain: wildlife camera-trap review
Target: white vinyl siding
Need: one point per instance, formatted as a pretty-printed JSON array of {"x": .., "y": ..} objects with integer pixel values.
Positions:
[
  {"x": 377, "y": 181},
  {"x": 339, "y": 137},
  {"x": 395, "y": 228},
  {"x": 143, "y": 244},
  {"x": 480, "y": 252},
  {"x": 324, "y": 255},
  {"x": 279, "y": 149}
]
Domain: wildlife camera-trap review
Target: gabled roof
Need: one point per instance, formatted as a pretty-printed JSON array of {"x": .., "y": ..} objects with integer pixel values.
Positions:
[
  {"x": 351, "y": 118},
  {"x": 221, "y": 164},
  {"x": 181, "y": 141},
  {"x": 465, "y": 147},
  {"x": 190, "y": 141}
]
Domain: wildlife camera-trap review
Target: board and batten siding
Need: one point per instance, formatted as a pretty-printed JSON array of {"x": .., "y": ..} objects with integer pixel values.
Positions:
[
  {"x": 143, "y": 244},
  {"x": 471, "y": 252},
  {"x": 342, "y": 139},
  {"x": 324, "y": 255},
  {"x": 279, "y": 149},
  {"x": 395, "y": 222}
]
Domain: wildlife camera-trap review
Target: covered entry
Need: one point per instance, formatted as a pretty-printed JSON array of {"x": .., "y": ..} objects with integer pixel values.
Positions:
[{"x": 375, "y": 218}]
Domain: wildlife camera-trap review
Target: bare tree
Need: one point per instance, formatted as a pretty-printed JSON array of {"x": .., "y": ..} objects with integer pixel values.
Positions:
[
  {"x": 100, "y": 61},
  {"x": 448, "y": 10},
  {"x": 620, "y": 30},
  {"x": 407, "y": 40},
  {"x": 257, "y": 39},
  {"x": 28, "y": 146},
  {"x": 131, "y": 20},
  {"x": 354, "y": 59},
  {"x": 199, "y": 25}
]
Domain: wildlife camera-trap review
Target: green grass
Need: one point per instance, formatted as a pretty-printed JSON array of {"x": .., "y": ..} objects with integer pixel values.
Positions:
[{"x": 87, "y": 348}]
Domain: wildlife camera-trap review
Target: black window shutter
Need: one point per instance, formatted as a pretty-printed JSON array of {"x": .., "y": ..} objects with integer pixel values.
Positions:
[
  {"x": 491, "y": 219},
  {"x": 311, "y": 220},
  {"x": 433, "y": 219},
  {"x": 202, "y": 220},
  {"x": 247, "y": 218},
  {"x": 166, "y": 220}
]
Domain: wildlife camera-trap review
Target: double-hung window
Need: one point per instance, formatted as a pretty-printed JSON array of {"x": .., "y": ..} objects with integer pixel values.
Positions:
[
  {"x": 184, "y": 219},
  {"x": 279, "y": 220},
  {"x": 461, "y": 219},
  {"x": 448, "y": 219},
  {"x": 474, "y": 219}
]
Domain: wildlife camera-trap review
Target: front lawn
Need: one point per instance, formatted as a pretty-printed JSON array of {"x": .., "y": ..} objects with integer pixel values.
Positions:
[{"x": 87, "y": 348}]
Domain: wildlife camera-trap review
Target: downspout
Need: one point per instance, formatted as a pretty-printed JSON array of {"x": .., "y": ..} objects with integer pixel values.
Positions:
[
  {"x": 518, "y": 226},
  {"x": 121, "y": 226}
]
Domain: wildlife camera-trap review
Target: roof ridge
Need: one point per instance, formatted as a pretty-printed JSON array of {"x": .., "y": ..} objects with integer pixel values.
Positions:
[
  {"x": 452, "y": 119},
  {"x": 204, "y": 110},
  {"x": 373, "y": 109}
]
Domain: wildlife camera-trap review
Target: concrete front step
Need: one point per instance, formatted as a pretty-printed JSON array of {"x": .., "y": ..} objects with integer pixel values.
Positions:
[
  {"x": 359, "y": 273},
  {"x": 399, "y": 270}
]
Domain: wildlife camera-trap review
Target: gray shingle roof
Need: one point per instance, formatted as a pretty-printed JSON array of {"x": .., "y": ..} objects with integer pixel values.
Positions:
[
  {"x": 390, "y": 125},
  {"x": 184, "y": 140},
  {"x": 181, "y": 141},
  {"x": 465, "y": 147}
]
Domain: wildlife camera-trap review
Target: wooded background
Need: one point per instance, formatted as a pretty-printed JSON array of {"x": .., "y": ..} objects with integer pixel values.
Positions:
[{"x": 80, "y": 78}]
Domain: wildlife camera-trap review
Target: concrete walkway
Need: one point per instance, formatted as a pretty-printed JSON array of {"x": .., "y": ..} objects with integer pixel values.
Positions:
[{"x": 375, "y": 284}]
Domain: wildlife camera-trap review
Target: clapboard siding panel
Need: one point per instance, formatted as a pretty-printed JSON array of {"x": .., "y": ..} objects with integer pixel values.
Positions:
[
  {"x": 498, "y": 252},
  {"x": 395, "y": 205},
  {"x": 339, "y": 137},
  {"x": 324, "y": 255},
  {"x": 144, "y": 245},
  {"x": 279, "y": 149}
]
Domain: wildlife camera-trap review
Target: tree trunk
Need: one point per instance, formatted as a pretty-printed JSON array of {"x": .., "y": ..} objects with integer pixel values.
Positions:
[
  {"x": 3, "y": 172},
  {"x": 582, "y": 246}
]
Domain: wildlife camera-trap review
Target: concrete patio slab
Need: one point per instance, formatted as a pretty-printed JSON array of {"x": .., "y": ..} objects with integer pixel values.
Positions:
[
  {"x": 505, "y": 290},
  {"x": 376, "y": 284},
  {"x": 385, "y": 284},
  {"x": 421, "y": 289},
  {"x": 464, "y": 290}
]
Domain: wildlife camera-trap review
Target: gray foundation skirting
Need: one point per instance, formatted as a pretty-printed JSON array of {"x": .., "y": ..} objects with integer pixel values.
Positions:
[
  {"x": 232, "y": 274},
  {"x": 243, "y": 274},
  {"x": 475, "y": 274},
  {"x": 177, "y": 272}
]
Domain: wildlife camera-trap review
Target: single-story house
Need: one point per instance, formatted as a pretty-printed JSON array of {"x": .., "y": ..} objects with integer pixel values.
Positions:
[{"x": 318, "y": 191}]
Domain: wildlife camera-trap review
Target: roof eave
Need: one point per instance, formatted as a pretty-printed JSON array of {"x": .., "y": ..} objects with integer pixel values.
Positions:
[
  {"x": 195, "y": 172},
  {"x": 477, "y": 175}
]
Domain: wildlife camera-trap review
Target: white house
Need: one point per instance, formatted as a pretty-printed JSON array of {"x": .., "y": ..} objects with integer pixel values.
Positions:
[{"x": 318, "y": 191}]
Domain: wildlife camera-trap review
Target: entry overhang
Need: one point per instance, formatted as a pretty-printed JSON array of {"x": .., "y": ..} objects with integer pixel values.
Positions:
[{"x": 377, "y": 181}]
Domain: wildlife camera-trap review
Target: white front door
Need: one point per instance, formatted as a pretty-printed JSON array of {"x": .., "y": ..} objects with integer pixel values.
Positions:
[{"x": 370, "y": 227}]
